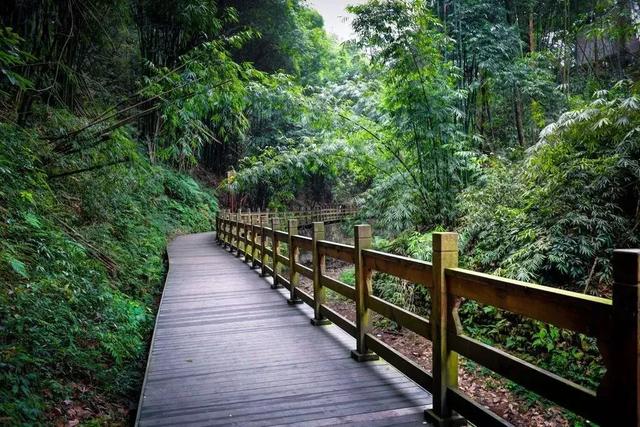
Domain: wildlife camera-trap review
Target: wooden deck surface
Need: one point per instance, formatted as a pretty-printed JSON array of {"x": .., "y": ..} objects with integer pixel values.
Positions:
[{"x": 228, "y": 350}]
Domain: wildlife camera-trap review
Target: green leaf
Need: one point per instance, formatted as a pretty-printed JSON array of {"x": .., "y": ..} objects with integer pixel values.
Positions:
[
  {"x": 19, "y": 267},
  {"x": 32, "y": 220}
]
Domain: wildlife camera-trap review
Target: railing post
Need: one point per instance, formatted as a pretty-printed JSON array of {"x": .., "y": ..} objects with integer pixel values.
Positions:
[
  {"x": 623, "y": 367},
  {"x": 254, "y": 246},
  {"x": 362, "y": 240},
  {"x": 227, "y": 231},
  {"x": 250, "y": 238},
  {"x": 243, "y": 232},
  {"x": 263, "y": 244},
  {"x": 294, "y": 253},
  {"x": 233, "y": 218},
  {"x": 319, "y": 293},
  {"x": 444, "y": 361},
  {"x": 217, "y": 221},
  {"x": 218, "y": 228},
  {"x": 238, "y": 233},
  {"x": 224, "y": 229},
  {"x": 228, "y": 235},
  {"x": 275, "y": 247}
]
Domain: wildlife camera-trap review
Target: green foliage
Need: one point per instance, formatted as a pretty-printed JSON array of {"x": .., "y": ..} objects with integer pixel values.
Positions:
[
  {"x": 427, "y": 121},
  {"x": 294, "y": 37},
  {"x": 81, "y": 266},
  {"x": 12, "y": 56},
  {"x": 420, "y": 137},
  {"x": 569, "y": 204},
  {"x": 348, "y": 276},
  {"x": 568, "y": 354},
  {"x": 203, "y": 104}
]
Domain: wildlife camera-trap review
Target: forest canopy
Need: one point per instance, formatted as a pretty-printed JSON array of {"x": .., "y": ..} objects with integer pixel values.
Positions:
[{"x": 126, "y": 122}]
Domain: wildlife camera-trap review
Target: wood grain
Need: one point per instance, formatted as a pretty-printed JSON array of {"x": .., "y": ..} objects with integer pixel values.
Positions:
[{"x": 228, "y": 350}]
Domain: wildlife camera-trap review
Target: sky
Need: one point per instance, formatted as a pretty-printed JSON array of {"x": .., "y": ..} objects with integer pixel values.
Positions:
[{"x": 334, "y": 14}]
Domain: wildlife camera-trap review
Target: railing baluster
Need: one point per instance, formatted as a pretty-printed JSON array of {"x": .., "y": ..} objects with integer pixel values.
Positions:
[
  {"x": 620, "y": 386},
  {"x": 251, "y": 238},
  {"x": 227, "y": 234},
  {"x": 444, "y": 361},
  {"x": 615, "y": 323},
  {"x": 275, "y": 247},
  {"x": 223, "y": 236},
  {"x": 362, "y": 240},
  {"x": 319, "y": 293},
  {"x": 294, "y": 253},
  {"x": 238, "y": 232},
  {"x": 254, "y": 245},
  {"x": 232, "y": 218},
  {"x": 217, "y": 221},
  {"x": 224, "y": 230},
  {"x": 245, "y": 239},
  {"x": 230, "y": 234},
  {"x": 263, "y": 245}
]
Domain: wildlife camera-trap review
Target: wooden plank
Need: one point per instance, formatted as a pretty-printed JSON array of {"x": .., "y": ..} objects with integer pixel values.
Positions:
[
  {"x": 305, "y": 297},
  {"x": 443, "y": 317},
  {"x": 341, "y": 321},
  {"x": 572, "y": 396},
  {"x": 283, "y": 259},
  {"x": 284, "y": 281},
  {"x": 403, "y": 317},
  {"x": 218, "y": 349},
  {"x": 362, "y": 239},
  {"x": 294, "y": 257},
  {"x": 339, "y": 287},
  {"x": 400, "y": 361},
  {"x": 282, "y": 236},
  {"x": 570, "y": 310},
  {"x": 302, "y": 242},
  {"x": 305, "y": 271},
  {"x": 319, "y": 292},
  {"x": 413, "y": 270},
  {"x": 337, "y": 250},
  {"x": 473, "y": 411}
]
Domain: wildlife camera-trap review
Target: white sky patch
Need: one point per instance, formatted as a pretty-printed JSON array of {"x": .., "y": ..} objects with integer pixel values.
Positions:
[{"x": 336, "y": 19}]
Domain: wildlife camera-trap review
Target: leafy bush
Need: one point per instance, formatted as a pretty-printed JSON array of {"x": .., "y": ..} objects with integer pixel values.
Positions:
[
  {"x": 81, "y": 267},
  {"x": 556, "y": 217}
]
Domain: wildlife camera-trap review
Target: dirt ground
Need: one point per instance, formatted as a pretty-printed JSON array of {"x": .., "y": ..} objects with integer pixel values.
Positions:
[{"x": 491, "y": 391}]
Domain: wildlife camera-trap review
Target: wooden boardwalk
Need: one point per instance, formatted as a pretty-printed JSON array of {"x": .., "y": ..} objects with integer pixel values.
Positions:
[{"x": 228, "y": 350}]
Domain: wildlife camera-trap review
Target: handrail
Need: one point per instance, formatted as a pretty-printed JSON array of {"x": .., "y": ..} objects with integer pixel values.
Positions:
[
  {"x": 336, "y": 250},
  {"x": 305, "y": 217},
  {"x": 570, "y": 310},
  {"x": 614, "y": 323},
  {"x": 413, "y": 270}
]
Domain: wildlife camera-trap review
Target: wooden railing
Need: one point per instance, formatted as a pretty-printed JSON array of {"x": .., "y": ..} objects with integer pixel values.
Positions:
[
  {"x": 614, "y": 323},
  {"x": 304, "y": 217}
]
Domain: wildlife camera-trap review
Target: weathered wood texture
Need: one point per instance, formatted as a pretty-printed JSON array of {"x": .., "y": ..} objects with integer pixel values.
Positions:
[
  {"x": 228, "y": 350},
  {"x": 304, "y": 217},
  {"x": 614, "y": 323}
]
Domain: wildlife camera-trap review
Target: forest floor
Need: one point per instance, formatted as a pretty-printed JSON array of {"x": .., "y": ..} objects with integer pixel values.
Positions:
[{"x": 486, "y": 388}]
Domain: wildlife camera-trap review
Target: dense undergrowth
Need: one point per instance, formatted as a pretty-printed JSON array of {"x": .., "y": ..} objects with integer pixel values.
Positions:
[
  {"x": 469, "y": 116},
  {"x": 81, "y": 266}
]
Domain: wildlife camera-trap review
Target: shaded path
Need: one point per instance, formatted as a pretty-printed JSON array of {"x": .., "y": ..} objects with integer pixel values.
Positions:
[{"x": 228, "y": 350}]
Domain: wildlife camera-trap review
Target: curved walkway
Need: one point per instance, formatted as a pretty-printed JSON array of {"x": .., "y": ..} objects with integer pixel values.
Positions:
[{"x": 228, "y": 350}]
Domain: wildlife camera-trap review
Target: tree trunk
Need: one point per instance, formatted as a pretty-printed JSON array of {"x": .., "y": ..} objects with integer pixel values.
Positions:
[
  {"x": 517, "y": 106},
  {"x": 532, "y": 34}
]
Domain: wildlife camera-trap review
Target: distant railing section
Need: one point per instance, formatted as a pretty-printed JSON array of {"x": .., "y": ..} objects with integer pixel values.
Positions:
[
  {"x": 304, "y": 217},
  {"x": 614, "y": 323}
]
